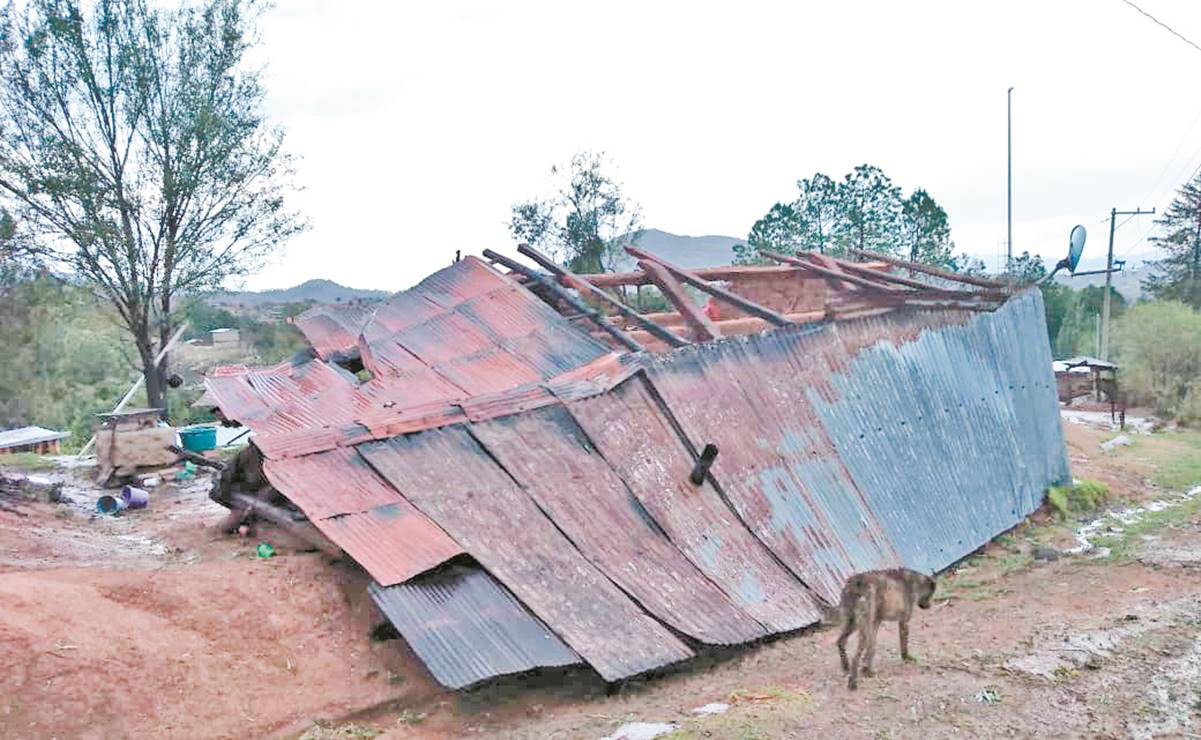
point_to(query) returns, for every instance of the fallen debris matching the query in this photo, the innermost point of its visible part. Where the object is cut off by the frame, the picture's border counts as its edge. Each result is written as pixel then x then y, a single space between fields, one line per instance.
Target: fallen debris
pixel 641 731
pixel 712 708
pixel 1119 441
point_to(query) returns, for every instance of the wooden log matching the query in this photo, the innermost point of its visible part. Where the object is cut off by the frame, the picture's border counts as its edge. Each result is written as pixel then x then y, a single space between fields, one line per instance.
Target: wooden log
pixel 717 292
pixel 583 286
pixel 928 270
pixel 622 337
pixel 826 271
pixel 725 272
pixel 701 326
pixel 283 519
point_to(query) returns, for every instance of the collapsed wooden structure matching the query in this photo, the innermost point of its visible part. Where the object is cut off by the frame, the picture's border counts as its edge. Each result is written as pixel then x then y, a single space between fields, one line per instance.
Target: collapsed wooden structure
pixel 536 474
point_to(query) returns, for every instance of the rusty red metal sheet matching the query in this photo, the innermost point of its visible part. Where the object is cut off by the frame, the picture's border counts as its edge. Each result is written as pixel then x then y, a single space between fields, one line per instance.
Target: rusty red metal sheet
pixel 464 332
pixel 775 466
pixel 393 543
pixel 333 330
pixel 362 514
pixel 447 475
pixel 632 432
pixel 551 458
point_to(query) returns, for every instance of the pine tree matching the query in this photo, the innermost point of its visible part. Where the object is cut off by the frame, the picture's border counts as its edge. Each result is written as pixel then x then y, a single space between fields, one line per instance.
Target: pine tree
pixel 1178 275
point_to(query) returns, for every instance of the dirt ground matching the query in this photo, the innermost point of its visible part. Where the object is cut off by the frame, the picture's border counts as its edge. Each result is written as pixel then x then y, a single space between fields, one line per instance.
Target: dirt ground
pixel 153 624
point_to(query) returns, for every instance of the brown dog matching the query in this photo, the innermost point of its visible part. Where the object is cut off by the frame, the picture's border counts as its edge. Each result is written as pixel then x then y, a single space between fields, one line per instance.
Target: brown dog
pixel 874 597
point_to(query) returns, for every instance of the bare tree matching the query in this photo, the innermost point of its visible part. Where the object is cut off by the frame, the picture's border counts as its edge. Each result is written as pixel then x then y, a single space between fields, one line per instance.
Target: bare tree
pixel 133 145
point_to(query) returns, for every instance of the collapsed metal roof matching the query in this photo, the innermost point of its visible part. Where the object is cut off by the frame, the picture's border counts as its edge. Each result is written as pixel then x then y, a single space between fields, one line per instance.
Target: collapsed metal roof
pixel 515 473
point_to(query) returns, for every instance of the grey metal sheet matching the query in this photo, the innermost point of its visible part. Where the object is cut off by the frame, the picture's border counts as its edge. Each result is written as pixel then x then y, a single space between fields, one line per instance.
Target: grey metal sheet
pixel 551 458
pixel 447 475
pixel 953 437
pixel 468 628
pixel 632 433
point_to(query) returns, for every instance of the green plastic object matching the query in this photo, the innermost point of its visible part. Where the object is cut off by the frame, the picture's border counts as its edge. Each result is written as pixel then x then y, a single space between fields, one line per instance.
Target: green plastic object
pixel 198 439
pixel 265 550
pixel 188 472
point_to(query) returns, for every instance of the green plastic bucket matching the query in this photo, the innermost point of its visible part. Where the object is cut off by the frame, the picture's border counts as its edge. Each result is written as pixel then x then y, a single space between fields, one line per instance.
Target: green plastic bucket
pixel 198 439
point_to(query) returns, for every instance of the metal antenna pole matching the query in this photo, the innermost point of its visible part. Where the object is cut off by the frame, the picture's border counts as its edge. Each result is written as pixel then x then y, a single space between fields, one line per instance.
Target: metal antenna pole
pixel 1009 172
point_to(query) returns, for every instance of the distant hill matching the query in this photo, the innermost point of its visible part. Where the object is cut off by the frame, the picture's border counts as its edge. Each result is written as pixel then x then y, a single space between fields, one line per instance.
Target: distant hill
pixel 685 251
pixel 317 291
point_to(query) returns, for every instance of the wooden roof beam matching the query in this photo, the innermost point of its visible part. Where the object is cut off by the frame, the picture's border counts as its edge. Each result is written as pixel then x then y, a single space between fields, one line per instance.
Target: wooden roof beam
pixel 721 294
pixel 703 329
pixel 928 270
pixel 571 280
pixel 624 339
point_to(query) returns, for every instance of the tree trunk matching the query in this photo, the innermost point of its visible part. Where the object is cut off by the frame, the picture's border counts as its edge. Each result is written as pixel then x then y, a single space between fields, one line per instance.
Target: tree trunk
pixel 154 378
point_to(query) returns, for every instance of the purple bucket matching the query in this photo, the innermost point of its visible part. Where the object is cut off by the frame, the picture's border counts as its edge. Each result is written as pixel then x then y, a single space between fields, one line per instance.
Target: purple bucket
pixel 135 498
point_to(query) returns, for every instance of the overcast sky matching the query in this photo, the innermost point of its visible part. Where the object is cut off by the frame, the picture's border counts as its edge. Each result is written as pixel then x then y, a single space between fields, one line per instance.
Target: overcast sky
pixel 419 124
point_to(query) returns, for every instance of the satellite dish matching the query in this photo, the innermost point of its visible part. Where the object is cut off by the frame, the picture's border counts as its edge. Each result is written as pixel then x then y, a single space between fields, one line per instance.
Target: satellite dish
pixel 1075 247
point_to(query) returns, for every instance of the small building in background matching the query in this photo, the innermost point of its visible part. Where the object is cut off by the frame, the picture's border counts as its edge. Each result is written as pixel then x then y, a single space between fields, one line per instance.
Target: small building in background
pixel 223 337
pixel 31 439
pixel 1086 376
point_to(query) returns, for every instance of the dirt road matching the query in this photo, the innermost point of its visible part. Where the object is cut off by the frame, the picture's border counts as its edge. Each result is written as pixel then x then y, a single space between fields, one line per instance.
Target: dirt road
pixel 155 625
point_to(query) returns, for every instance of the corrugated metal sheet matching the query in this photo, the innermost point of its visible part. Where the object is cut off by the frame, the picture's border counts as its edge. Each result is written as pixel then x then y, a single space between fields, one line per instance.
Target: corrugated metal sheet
pixel 463 333
pixel 333 330
pixel 360 513
pixel 632 433
pixel 952 437
pixel 447 475
pixel 775 464
pixel 550 457
pixel 29 436
pixel 467 628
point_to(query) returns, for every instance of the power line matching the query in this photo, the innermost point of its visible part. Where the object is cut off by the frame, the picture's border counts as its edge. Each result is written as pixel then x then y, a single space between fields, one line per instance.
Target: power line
pixel 1163 25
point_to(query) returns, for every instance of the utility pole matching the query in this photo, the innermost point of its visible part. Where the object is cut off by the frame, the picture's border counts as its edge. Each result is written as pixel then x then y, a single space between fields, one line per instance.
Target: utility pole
pixel 1113 214
pixel 1009 180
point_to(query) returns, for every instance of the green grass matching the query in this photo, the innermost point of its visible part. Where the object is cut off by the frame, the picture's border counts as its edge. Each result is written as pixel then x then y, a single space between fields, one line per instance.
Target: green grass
pixel 1081 498
pixel 27 461
pixel 322 730
pixel 1122 546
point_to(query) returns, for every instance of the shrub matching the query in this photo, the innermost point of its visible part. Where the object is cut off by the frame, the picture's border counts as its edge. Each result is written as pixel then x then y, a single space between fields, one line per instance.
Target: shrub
pixel 1158 347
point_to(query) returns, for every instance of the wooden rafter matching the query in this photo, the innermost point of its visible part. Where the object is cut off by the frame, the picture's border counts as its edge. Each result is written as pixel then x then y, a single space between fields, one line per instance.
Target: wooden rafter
pixel 703 329
pixel 583 308
pixel 828 272
pixel 719 293
pixel 571 280
pixel 928 270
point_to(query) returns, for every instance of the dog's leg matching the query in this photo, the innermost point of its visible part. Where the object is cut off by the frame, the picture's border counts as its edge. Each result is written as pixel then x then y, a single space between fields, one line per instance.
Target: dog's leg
pixel 853 678
pixel 869 668
pixel 848 627
pixel 903 628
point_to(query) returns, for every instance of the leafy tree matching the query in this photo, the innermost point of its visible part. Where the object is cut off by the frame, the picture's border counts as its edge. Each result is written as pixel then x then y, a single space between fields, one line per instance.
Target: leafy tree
pixel 1077 332
pixel 780 230
pixel 1158 345
pixel 1027 268
pixel 925 231
pixel 869 211
pixel 968 265
pixel 586 222
pixel 66 358
pixel 863 211
pixel 1178 275
pixel 132 138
